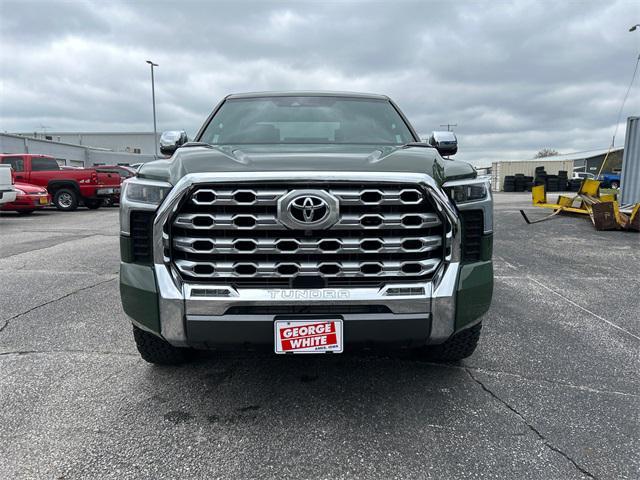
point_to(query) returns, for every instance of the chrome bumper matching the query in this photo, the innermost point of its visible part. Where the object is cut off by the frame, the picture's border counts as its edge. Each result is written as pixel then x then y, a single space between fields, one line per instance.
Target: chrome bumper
pixel 108 191
pixel 180 302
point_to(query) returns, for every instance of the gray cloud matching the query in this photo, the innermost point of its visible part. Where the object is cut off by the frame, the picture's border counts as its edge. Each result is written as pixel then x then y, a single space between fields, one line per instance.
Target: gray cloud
pixel 516 77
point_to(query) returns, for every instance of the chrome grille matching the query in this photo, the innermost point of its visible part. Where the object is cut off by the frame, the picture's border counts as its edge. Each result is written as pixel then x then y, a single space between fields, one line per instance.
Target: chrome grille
pixel 231 234
pixel 248 221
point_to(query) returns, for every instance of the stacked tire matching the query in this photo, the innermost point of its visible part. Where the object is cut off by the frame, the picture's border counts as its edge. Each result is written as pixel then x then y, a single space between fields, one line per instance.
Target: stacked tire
pixel 575 184
pixel 509 184
pixel 540 177
pixel 562 181
pixel 519 182
pixel 553 184
pixel 528 183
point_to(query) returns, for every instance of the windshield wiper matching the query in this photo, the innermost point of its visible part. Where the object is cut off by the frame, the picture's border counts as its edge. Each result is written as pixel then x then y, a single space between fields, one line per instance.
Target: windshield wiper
pixel 196 144
pixel 417 144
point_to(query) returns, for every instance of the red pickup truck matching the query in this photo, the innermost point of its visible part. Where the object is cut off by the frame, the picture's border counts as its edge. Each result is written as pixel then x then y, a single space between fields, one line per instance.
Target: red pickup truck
pixel 69 188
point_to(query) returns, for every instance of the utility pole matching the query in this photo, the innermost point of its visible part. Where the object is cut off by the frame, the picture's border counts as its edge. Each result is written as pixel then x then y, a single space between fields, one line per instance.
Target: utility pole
pixel 449 125
pixel 153 99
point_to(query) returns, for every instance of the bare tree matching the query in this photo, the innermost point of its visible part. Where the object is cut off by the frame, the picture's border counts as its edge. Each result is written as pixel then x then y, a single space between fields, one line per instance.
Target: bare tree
pixel 546 152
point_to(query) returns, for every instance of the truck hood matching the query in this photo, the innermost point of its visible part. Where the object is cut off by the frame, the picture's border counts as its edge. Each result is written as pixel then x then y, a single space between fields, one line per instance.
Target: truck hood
pixel 245 159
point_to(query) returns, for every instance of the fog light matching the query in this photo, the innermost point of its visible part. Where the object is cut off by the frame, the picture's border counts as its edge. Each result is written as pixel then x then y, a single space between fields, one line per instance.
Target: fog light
pixel 210 292
pixel 404 291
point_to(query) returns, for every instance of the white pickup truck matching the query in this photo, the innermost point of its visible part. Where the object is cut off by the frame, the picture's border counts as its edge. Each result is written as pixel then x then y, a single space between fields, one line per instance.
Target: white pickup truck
pixel 7 192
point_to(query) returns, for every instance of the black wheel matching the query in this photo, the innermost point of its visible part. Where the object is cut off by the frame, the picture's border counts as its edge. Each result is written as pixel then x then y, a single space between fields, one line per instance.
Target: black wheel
pixel 65 200
pixel 25 212
pixel 158 351
pixel 93 204
pixel 615 184
pixel 460 346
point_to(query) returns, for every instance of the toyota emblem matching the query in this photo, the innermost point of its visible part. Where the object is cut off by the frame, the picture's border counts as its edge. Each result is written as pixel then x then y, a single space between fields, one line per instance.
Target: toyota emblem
pixel 308 209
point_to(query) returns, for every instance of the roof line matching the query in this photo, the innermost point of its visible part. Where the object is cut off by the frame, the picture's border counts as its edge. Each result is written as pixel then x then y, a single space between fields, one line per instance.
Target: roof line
pixel 308 93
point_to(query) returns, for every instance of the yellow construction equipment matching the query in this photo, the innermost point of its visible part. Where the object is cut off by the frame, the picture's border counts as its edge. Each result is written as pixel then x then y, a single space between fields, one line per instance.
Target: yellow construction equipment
pixel 603 210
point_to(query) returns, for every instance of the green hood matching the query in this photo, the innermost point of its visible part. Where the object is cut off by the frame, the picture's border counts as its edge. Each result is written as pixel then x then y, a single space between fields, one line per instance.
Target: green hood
pixel 285 158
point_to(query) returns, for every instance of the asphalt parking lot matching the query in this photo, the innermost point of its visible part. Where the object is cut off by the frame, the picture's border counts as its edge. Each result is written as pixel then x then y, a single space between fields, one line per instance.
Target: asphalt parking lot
pixel 551 393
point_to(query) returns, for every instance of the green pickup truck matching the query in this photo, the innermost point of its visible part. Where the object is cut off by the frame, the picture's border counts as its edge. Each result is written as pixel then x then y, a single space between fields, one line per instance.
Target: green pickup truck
pixel 306 222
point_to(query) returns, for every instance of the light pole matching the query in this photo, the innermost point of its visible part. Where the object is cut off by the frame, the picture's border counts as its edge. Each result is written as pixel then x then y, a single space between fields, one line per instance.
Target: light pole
pixel 153 99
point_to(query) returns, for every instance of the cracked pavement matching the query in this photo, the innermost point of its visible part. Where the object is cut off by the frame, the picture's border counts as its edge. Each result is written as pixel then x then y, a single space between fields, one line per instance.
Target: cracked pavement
pixel 551 392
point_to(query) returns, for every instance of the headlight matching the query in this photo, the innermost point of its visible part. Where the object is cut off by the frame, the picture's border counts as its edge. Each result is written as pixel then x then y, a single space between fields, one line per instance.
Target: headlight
pixel 464 191
pixel 18 191
pixel 139 190
pixel 140 194
pixel 473 194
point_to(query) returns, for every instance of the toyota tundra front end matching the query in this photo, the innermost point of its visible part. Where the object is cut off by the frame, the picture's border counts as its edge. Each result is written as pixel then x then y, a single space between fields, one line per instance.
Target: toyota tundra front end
pixel 305 223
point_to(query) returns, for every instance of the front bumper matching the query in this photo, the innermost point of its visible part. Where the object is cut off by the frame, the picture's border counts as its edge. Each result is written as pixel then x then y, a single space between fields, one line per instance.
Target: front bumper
pixel 107 192
pixel 196 318
pixel 28 202
pixel 214 316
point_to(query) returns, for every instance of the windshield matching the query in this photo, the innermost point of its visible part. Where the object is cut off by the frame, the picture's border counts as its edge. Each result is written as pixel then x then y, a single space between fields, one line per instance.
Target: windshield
pixel 325 120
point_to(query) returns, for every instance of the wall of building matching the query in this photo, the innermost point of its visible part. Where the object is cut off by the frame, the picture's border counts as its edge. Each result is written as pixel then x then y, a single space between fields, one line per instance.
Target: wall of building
pixel 499 170
pixel 68 154
pixel 128 142
pixel 593 164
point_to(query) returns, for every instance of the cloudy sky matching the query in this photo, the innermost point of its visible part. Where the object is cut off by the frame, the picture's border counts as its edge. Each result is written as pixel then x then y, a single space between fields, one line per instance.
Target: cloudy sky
pixel 515 76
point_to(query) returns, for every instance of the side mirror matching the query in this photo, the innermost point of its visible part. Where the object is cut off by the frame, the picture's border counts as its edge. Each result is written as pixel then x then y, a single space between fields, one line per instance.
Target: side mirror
pixel 171 140
pixel 445 142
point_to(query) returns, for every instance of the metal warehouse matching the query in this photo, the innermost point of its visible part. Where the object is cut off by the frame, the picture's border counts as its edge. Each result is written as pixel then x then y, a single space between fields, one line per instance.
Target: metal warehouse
pixel 587 161
pixel 500 170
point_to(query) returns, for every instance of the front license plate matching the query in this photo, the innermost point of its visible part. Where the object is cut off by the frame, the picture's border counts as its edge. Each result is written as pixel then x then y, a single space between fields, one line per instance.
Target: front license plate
pixel 308 336
pixel 43 200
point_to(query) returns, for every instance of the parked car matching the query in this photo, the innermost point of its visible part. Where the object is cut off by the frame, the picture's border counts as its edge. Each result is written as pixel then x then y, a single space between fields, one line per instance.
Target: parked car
pixel 609 180
pixel 311 223
pixel 7 192
pixel 582 175
pixel 29 198
pixel 69 188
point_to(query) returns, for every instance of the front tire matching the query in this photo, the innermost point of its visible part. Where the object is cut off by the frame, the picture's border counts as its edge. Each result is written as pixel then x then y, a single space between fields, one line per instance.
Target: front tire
pixel 615 185
pixel 65 200
pixel 155 350
pixel 459 346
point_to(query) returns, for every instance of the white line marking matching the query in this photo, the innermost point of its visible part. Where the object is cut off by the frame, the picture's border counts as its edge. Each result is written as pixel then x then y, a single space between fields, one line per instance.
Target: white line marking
pixel 510 265
pixel 586 310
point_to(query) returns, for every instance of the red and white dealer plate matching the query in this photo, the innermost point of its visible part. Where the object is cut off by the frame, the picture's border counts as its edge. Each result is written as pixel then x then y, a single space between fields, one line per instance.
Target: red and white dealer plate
pixel 308 336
